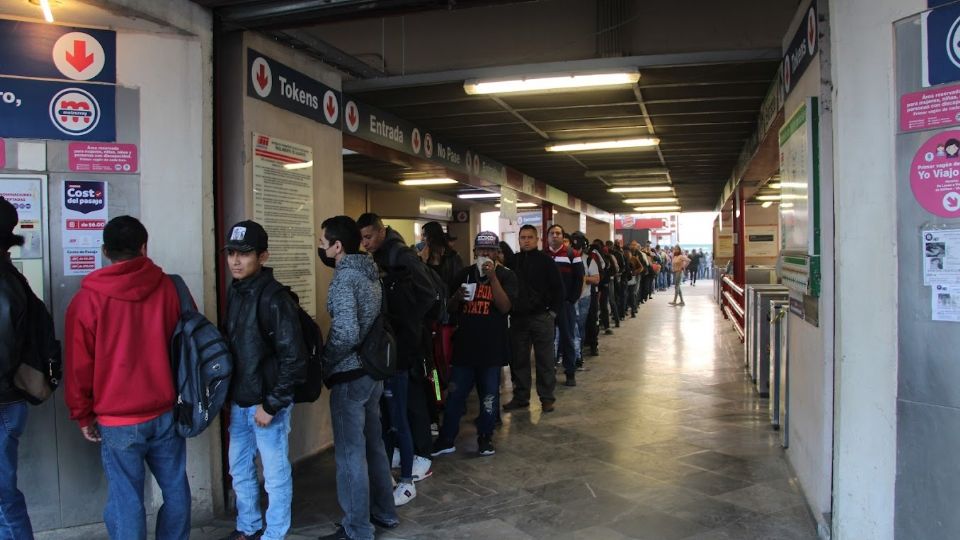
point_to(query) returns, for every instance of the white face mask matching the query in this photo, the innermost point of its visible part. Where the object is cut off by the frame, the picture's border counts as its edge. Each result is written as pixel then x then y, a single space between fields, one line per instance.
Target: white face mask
pixel 481 260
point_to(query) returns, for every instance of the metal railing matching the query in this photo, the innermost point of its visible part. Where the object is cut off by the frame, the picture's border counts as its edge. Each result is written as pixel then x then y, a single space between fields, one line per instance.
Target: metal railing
pixel 732 302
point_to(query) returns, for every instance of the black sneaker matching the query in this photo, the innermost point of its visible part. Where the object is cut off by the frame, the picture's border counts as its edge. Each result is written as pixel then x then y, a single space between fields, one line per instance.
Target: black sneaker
pixel 571 380
pixel 339 534
pixel 485 446
pixel 514 404
pixel 441 447
pixel 608 332
pixel 237 535
pixel 594 352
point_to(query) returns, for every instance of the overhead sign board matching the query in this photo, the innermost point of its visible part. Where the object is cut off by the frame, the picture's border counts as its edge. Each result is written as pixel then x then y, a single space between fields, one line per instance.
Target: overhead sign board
pixel 284 87
pixel 38 109
pixel 52 51
pixel 801 51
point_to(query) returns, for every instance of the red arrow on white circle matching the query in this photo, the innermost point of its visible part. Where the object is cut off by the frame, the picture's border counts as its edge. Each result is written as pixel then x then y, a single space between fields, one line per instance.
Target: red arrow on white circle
pixel 331 108
pixel 415 140
pixel 428 145
pixel 352 117
pixel 78 56
pixel 260 77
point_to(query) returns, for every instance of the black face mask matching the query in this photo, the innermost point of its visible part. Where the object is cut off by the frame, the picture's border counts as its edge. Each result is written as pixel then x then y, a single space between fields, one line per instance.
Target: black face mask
pixel 329 261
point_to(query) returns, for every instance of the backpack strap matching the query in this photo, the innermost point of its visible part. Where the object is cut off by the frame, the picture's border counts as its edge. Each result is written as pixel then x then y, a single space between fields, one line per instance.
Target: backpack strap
pixel 183 293
pixel 263 305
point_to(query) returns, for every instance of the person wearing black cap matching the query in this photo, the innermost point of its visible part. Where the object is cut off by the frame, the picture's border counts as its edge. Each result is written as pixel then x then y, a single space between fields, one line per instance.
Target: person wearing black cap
pixel 481 345
pixel 269 360
pixel 13 307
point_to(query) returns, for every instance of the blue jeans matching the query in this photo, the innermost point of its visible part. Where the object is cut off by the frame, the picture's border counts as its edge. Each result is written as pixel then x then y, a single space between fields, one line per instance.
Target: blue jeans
pixel 123 451
pixel 364 485
pixel 396 392
pixel 462 381
pixel 14 521
pixel 246 439
pixel 566 322
pixel 581 309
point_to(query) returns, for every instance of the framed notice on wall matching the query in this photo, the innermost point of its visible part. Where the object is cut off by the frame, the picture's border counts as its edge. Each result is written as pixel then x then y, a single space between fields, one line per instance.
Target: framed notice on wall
pixel 762 241
pixel 283 204
pixel 799 181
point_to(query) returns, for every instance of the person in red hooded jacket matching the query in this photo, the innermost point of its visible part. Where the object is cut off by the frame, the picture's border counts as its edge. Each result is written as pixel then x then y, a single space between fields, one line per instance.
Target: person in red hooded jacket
pixel 119 385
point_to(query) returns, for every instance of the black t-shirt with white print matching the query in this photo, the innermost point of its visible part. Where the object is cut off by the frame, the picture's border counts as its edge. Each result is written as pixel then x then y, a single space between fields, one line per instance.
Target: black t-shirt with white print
pixel 481 338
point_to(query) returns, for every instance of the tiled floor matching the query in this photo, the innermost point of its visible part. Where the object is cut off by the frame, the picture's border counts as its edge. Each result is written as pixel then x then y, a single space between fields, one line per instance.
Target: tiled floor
pixel 662 439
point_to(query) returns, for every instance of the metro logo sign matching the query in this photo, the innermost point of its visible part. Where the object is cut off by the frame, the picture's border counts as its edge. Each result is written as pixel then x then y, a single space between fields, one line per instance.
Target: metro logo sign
pixel 74 111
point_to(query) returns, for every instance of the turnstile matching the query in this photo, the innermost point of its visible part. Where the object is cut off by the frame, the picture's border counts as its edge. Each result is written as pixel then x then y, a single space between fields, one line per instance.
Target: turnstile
pixel 784 332
pixel 757 330
pixel 778 315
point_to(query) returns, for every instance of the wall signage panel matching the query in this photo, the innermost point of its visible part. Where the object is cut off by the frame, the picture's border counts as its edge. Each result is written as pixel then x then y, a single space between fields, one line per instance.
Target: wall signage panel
pixel 35 109
pixel 940 46
pixel 52 51
pixel 287 88
pixel 802 48
pixel 935 174
pixel 102 157
pixel 929 109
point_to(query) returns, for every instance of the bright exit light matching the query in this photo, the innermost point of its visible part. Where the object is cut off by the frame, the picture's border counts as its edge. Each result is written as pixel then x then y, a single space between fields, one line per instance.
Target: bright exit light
pixel 428 182
pixel 615 144
pixel 641 189
pixel 651 200
pixel 550 83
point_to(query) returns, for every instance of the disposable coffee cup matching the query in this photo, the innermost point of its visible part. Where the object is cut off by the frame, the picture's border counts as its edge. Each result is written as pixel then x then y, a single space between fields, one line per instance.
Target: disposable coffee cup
pixel 471 291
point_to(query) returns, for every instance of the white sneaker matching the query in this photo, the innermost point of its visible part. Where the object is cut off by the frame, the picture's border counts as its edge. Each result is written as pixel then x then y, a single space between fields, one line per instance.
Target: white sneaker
pixel 395 464
pixel 404 493
pixel 421 468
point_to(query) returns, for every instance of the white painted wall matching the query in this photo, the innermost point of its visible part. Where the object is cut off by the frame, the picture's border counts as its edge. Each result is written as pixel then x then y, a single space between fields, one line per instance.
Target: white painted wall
pixel 865 116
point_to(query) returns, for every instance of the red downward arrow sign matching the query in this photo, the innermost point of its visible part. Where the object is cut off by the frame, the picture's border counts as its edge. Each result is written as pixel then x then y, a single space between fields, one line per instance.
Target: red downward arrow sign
pixel 262 76
pixel 352 116
pixel 79 59
pixel 331 106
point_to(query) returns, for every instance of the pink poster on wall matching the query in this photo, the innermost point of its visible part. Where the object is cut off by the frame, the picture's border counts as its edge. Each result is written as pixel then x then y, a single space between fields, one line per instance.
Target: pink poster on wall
pixel 930 109
pixel 102 157
pixel 935 174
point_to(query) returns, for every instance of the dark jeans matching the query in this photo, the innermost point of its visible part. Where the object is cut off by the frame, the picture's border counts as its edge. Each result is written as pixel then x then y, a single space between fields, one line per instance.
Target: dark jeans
pixel 536 330
pixel 692 272
pixel 591 338
pixel 462 381
pixel 632 297
pixel 648 287
pixel 567 324
pixel 622 298
pixel 419 412
pixel 14 521
pixel 364 485
pixel 123 451
pixel 604 307
pixel 396 392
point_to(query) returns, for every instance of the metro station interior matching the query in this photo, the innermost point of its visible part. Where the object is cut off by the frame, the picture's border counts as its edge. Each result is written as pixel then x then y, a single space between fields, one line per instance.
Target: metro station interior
pixel 804 390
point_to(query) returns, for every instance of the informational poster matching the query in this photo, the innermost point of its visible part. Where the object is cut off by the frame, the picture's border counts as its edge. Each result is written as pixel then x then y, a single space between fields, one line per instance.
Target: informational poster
pixel 724 246
pixel 798 179
pixel 929 109
pixel 102 157
pixel 84 213
pixel 941 256
pixel 762 241
pixel 935 174
pixel 81 261
pixel 283 204
pixel 25 193
pixel 945 302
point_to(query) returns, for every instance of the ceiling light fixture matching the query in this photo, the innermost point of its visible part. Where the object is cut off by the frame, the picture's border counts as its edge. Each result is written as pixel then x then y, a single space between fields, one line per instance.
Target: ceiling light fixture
pixel 479 196
pixel 47 13
pixel 767 204
pixel 641 189
pixel 657 208
pixel 651 200
pixel 648 171
pixel 614 144
pixel 775 185
pixel 550 83
pixel 522 205
pixel 427 182
pixel 768 197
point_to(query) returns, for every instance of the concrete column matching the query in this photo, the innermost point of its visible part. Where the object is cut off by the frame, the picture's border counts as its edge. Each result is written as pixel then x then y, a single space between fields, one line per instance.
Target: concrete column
pixel 864 124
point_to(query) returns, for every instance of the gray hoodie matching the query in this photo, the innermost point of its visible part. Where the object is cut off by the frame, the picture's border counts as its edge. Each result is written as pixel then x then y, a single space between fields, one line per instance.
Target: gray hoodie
pixel 353 301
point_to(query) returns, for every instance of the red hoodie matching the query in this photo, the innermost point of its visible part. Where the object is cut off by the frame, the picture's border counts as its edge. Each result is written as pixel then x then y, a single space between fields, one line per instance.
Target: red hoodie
pixel 117 370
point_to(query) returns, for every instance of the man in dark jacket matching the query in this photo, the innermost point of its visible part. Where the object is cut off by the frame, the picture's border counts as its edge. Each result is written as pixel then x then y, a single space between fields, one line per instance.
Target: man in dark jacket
pixel 263 329
pixel 570 264
pixel 124 312
pixel 13 307
pixel 353 299
pixel 532 318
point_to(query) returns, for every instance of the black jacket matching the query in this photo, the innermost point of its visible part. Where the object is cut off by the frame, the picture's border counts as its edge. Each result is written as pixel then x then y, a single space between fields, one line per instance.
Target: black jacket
pixel 541 286
pixel 266 367
pixel 13 310
pixel 409 293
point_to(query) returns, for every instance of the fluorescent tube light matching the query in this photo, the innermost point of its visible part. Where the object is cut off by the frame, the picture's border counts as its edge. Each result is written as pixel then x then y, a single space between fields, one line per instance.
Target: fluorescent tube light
pixel 479 196
pixel 641 189
pixel 428 182
pixel 47 13
pixel 775 185
pixel 786 205
pixel 651 200
pixel 613 144
pixel 656 208
pixel 767 204
pixel 550 83
pixel 768 197
pixel 297 166
pixel 522 205
pixel 648 171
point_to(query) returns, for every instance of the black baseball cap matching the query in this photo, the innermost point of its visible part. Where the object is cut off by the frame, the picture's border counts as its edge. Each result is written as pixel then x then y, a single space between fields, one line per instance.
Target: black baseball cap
pixel 246 236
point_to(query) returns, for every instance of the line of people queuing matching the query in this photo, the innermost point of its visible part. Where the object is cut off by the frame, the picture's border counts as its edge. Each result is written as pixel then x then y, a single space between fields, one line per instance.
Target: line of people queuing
pixel 455 327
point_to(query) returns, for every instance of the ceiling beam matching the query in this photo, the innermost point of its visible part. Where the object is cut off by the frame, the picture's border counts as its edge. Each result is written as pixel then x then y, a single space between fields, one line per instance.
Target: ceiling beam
pixel 592 64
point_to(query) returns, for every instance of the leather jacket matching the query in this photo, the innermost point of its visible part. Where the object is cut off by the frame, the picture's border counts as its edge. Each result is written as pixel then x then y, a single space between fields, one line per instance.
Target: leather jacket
pixel 13 310
pixel 266 367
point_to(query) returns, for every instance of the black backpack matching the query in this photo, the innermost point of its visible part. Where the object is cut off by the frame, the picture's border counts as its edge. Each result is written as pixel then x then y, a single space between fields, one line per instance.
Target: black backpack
pixel 202 366
pixel 438 309
pixel 310 389
pixel 378 348
pixel 41 363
